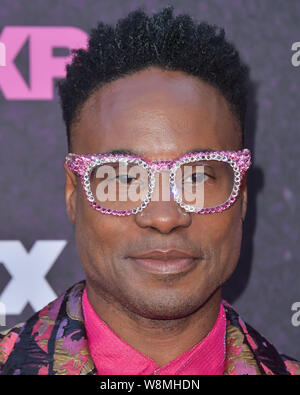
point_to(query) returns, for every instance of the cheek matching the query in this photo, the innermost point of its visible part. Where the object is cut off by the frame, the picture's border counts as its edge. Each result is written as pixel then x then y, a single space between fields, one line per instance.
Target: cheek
pixel 96 234
pixel 229 239
pixel 227 228
pixel 90 237
pixel 221 235
pixel 219 229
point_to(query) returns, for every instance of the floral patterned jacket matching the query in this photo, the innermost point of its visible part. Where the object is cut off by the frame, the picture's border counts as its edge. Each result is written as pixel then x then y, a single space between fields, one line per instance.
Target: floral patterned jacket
pixel 53 342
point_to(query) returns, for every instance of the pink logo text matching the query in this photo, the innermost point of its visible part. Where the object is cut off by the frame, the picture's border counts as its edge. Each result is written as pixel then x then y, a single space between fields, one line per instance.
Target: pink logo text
pixel 42 64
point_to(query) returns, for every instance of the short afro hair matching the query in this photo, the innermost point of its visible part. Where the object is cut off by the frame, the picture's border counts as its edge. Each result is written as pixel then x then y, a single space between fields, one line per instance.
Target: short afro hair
pixel 170 42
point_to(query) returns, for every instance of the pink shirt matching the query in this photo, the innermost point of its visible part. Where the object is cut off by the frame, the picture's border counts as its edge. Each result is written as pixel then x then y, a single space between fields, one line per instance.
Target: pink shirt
pixel 113 356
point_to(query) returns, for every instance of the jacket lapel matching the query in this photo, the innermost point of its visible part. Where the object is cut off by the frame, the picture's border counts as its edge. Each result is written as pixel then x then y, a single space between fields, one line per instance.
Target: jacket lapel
pixel 247 352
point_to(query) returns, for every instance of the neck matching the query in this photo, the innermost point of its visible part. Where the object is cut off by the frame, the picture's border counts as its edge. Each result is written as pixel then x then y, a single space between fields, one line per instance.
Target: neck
pixel 160 340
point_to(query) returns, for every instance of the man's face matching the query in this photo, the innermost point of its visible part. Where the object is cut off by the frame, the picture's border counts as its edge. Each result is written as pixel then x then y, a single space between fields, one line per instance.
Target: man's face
pixel 159 115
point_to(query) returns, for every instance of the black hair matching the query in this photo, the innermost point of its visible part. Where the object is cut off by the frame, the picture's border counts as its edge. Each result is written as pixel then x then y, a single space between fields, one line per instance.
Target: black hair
pixel 170 42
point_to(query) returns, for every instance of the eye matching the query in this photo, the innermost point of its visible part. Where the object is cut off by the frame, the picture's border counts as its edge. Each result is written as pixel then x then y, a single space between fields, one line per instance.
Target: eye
pixel 199 177
pixel 124 179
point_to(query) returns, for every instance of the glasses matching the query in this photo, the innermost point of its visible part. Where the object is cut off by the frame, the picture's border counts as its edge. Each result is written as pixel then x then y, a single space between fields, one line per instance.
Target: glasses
pixel 200 182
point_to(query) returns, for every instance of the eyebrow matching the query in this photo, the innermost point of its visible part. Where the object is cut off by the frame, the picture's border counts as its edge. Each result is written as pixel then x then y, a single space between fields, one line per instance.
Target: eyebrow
pixel 141 153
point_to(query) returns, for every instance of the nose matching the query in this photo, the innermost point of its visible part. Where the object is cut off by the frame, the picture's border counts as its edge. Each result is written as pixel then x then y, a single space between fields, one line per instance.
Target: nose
pixel 163 216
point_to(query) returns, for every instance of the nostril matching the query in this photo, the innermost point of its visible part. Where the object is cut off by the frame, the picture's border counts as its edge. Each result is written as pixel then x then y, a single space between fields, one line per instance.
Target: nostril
pixel 163 216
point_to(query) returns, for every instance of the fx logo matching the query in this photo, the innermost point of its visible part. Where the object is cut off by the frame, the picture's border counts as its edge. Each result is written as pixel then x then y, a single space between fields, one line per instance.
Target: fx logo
pixel 43 66
pixel 2 55
pixel 28 270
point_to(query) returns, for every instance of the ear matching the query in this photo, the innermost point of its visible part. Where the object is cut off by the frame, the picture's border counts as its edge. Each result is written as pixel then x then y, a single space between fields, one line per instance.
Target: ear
pixel 70 193
pixel 244 196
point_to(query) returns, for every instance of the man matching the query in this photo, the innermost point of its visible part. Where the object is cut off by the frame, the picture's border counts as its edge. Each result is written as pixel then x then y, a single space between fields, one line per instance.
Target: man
pixel 156 104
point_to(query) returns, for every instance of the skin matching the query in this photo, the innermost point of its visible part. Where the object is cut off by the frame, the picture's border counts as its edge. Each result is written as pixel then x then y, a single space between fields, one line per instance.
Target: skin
pixel 161 115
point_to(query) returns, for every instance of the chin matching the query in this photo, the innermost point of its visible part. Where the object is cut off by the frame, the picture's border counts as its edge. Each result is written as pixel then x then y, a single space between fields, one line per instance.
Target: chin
pixel 166 308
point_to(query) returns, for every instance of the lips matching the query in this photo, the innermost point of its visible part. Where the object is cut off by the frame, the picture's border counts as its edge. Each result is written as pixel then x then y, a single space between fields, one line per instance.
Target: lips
pixel 165 262
pixel 164 255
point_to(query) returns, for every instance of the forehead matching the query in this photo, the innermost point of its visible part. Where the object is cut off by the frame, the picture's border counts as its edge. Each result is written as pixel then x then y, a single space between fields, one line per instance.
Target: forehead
pixel 156 113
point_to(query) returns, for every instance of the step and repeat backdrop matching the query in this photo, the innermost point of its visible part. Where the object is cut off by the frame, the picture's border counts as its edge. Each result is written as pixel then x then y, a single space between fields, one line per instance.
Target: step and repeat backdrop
pixel 38 257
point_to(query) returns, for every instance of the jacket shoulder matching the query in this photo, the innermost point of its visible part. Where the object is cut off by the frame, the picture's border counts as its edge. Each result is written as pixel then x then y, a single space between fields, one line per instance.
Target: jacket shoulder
pixel 267 358
pixel 292 366
pixel 29 347
pixel 8 340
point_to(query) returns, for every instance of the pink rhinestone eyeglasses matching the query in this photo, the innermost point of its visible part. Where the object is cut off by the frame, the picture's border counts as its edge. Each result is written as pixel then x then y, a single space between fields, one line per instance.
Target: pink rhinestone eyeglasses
pixel 221 174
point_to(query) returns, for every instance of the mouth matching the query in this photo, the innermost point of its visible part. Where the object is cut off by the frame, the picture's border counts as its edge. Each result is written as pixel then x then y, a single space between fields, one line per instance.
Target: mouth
pixel 165 262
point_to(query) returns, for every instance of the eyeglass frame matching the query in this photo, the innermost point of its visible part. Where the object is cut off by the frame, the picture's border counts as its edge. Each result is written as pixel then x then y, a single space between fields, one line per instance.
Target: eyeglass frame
pixel 83 164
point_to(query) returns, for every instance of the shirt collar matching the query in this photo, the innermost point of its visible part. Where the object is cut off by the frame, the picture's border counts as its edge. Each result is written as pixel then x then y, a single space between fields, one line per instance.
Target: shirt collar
pixel 112 355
